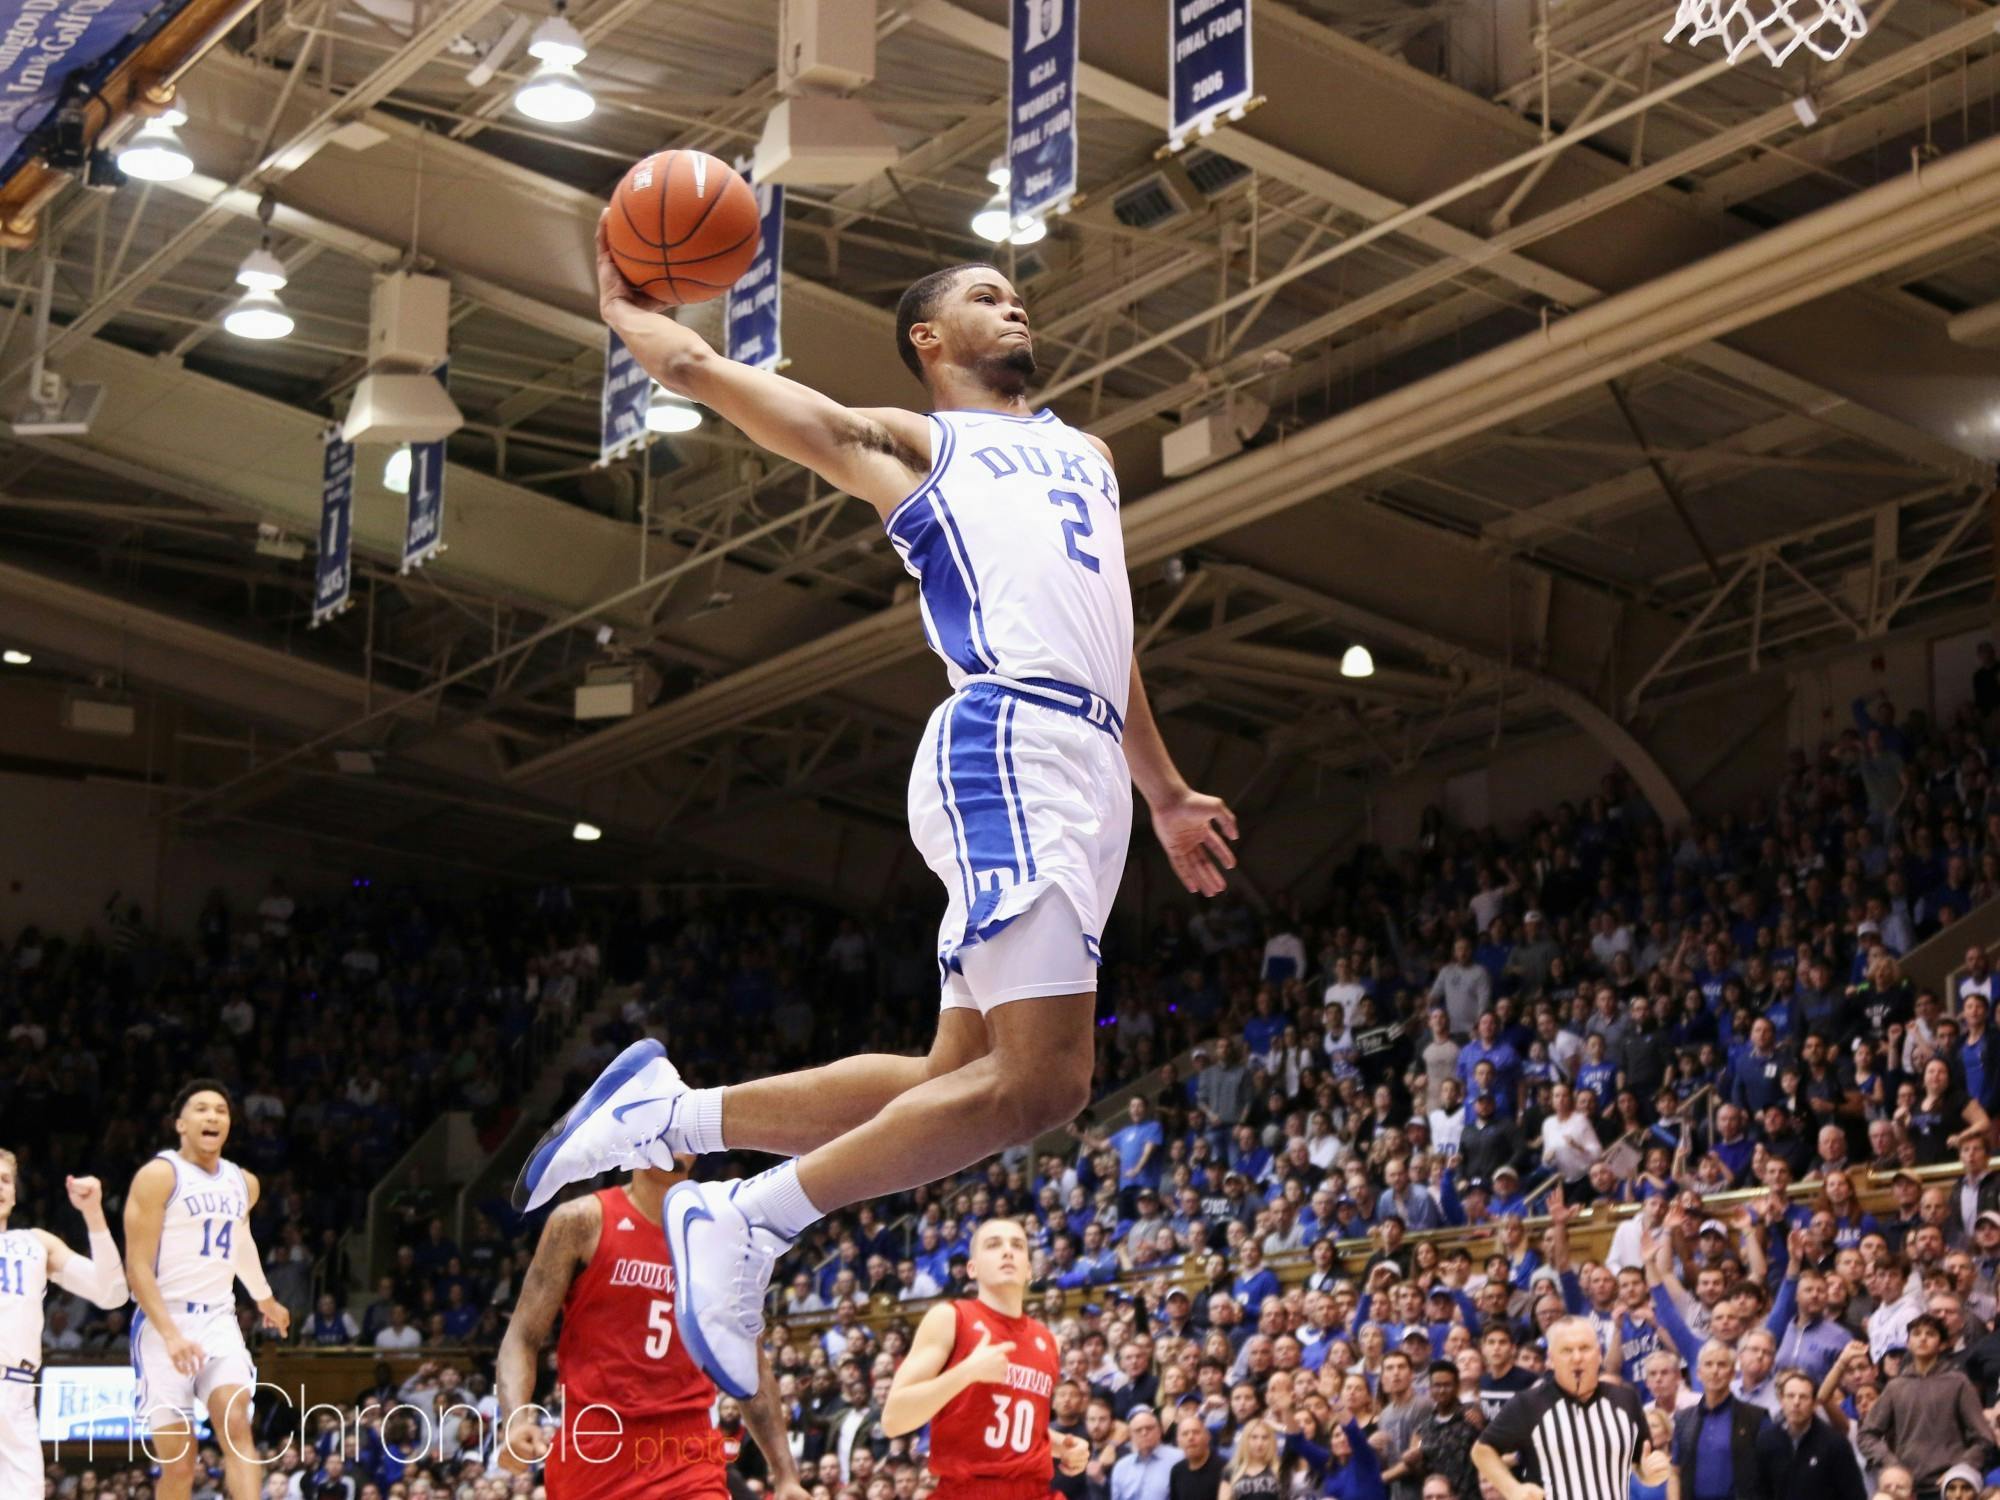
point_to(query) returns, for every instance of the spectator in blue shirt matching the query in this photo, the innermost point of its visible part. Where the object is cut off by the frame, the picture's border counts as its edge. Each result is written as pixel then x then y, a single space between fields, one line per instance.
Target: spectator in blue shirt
pixel 1264 1027
pixel 1142 1474
pixel 1755 1082
pixel 1254 1280
pixel 1486 1046
pixel 1141 1148
pixel 1409 1201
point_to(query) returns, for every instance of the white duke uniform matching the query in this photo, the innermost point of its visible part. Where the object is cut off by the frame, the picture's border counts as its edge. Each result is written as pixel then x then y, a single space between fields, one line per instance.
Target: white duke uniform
pixel 24 1282
pixel 205 1219
pixel 1020 784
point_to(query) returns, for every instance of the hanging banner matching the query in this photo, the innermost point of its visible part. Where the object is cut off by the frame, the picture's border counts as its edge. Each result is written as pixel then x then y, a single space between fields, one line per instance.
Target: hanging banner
pixel 622 411
pixel 333 578
pixel 50 45
pixel 1041 107
pixel 1209 57
pixel 750 321
pixel 423 529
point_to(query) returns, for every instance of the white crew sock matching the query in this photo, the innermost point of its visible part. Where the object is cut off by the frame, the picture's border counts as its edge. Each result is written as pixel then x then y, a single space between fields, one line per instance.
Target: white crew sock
pixel 698 1130
pixel 776 1201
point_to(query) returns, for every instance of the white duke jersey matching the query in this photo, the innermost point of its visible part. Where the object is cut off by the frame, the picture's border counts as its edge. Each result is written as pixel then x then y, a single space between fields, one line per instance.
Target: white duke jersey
pixel 24 1280
pixel 1015 543
pixel 199 1232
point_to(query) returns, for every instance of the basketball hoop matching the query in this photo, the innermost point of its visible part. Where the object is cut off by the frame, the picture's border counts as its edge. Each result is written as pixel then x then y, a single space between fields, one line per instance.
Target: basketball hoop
pixel 1778 28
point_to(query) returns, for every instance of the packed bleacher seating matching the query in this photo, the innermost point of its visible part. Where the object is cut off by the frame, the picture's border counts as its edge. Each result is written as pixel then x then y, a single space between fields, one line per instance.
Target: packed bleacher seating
pixel 341 1026
pixel 1382 1142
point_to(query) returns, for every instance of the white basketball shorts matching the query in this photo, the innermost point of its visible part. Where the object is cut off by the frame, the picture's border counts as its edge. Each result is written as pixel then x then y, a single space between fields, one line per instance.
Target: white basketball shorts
pixel 166 1397
pixel 1019 790
pixel 20 1441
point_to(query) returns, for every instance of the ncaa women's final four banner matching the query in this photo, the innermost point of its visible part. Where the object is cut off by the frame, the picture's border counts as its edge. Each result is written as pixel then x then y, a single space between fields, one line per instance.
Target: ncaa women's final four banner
pixel 1209 42
pixel 750 317
pixel 1041 108
pixel 333 576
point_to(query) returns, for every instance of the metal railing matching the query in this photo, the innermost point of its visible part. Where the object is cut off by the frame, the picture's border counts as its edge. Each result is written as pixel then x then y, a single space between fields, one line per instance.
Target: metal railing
pixel 1588 1235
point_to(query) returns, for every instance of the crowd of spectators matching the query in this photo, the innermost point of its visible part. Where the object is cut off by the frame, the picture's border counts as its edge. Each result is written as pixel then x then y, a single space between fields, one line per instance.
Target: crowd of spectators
pixel 1597 1010
pixel 342 1027
pixel 1594 1010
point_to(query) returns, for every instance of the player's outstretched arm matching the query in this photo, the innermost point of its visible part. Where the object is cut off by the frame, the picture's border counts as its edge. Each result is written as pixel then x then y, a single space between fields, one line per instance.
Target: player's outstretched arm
pixel 249 1267
pixel 568 1240
pixel 98 1277
pixel 923 1387
pixel 1193 827
pixel 764 1415
pixel 145 1213
pixel 877 454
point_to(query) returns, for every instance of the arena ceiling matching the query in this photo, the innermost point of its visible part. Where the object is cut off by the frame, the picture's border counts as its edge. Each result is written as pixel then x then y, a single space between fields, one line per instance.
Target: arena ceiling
pixel 1569 426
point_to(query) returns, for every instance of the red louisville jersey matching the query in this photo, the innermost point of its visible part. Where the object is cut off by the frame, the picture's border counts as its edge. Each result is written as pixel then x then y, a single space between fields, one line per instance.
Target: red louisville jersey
pixel 635 1412
pixel 994 1437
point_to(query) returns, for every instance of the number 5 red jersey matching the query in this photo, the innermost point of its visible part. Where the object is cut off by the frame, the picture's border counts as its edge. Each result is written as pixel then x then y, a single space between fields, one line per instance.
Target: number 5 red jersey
pixel 619 1353
pixel 998 1434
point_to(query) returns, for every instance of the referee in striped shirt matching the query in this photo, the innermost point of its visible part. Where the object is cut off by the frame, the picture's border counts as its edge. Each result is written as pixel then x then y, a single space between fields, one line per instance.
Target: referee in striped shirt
pixel 1576 1439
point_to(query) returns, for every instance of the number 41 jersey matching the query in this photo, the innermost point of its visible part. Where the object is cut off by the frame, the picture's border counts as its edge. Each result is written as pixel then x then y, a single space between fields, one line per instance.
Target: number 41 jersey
pixel 994 1437
pixel 1015 544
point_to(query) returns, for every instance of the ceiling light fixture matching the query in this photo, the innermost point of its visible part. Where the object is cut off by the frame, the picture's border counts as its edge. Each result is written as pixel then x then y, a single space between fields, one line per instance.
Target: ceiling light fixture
pixel 16 658
pixel 258 315
pixel 156 154
pixel 666 412
pixel 558 42
pixel 998 172
pixel 992 221
pixel 586 833
pixel 261 271
pixel 553 94
pixel 1028 232
pixel 1357 662
pixel 996 225
pixel 396 472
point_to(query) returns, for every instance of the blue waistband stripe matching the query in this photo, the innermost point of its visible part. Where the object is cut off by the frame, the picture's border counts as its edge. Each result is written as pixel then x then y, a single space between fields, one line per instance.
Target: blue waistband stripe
pixel 1064 697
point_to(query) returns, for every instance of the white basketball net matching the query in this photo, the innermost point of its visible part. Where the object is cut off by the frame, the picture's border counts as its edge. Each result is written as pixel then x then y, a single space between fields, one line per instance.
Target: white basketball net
pixel 1777 28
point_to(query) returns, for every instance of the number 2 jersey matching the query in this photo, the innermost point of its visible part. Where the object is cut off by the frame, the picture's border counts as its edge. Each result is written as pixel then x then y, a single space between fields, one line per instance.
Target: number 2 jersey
pixel 1015 543
pixel 619 1352
pixel 993 1439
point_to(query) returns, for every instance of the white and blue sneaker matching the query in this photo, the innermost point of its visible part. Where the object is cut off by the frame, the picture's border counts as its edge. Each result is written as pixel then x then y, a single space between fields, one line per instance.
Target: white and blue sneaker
pixel 623 1121
pixel 722 1269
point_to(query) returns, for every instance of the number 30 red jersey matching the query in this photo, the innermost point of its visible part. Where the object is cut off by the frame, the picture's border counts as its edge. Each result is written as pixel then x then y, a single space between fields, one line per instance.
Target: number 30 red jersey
pixel 991 1440
pixel 635 1417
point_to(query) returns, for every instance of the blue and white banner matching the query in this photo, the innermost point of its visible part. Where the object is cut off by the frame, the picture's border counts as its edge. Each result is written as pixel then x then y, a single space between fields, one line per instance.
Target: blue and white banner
pixel 1041 108
pixel 750 320
pixel 1209 57
pixel 622 410
pixel 333 577
pixel 48 43
pixel 423 528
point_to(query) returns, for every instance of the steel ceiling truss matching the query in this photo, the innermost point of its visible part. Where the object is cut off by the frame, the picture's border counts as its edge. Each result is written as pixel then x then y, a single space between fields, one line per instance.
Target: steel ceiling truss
pixel 1854 579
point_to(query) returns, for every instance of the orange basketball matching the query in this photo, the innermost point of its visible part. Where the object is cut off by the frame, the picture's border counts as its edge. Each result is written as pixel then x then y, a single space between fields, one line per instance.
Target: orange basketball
pixel 683 226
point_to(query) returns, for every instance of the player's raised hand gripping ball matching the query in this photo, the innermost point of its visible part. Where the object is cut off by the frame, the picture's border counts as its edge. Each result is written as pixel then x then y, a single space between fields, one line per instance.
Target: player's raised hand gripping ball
pixel 683 227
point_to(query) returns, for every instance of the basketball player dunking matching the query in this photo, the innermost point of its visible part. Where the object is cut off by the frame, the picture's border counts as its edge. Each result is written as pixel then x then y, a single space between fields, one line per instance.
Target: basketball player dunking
pixel 187 1244
pixel 635 1410
pixel 29 1260
pixel 982 1373
pixel 1020 800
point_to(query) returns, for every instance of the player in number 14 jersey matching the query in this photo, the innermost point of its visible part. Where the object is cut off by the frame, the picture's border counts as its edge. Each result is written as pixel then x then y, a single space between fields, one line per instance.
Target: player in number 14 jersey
pixel 982 1373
